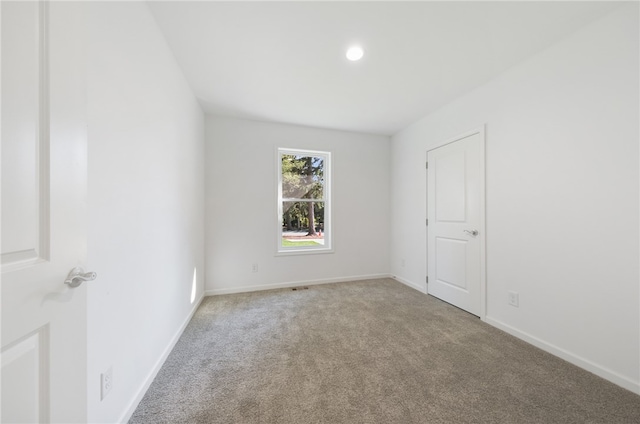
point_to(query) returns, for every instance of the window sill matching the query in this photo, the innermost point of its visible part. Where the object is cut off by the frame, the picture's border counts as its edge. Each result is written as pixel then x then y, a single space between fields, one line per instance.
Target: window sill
pixel 303 252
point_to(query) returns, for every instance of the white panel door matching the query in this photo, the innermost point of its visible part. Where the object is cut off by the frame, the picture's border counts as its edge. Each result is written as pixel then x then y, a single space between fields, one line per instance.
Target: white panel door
pixel 455 213
pixel 43 345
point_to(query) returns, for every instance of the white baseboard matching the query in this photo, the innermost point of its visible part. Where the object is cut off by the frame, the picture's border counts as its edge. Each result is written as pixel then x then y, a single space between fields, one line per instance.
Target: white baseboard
pixel 245 289
pixel 585 364
pixel 156 367
pixel 421 289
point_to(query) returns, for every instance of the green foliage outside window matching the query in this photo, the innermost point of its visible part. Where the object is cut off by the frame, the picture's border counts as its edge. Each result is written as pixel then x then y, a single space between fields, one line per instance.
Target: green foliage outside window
pixel 303 189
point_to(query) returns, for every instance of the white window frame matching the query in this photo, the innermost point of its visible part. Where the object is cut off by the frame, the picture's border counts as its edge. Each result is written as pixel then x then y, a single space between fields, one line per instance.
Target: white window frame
pixel 305 250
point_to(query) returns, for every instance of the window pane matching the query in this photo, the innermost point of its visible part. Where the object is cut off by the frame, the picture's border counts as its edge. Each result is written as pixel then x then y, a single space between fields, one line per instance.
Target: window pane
pixel 302 224
pixel 302 177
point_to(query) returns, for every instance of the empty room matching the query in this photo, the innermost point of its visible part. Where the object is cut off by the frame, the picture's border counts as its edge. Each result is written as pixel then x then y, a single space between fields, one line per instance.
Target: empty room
pixel 247 212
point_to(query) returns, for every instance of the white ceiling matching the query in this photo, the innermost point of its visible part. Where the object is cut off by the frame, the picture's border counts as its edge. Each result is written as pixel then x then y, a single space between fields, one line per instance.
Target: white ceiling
pixel 285 61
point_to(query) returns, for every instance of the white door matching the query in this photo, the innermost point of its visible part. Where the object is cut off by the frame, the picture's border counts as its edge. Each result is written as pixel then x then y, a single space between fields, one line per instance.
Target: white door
pixel 455 231
pixel 43 212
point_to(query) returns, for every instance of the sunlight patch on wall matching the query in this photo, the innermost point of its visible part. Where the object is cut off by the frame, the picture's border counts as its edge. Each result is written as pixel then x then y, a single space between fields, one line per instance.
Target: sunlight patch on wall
pixel 194 285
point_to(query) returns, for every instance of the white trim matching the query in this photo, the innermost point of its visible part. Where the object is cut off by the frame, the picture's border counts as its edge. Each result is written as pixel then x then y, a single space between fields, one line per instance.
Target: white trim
pixel 158 365
pixel 585 364
pixel 310 250
pixel 326 199
pixel 483 225
pixel 245 289
pixel 319 200
pixel 408 283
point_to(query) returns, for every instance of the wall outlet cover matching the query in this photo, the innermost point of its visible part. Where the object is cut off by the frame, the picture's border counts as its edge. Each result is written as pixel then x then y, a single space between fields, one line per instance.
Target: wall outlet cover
pixel 514 299
pixel 106 383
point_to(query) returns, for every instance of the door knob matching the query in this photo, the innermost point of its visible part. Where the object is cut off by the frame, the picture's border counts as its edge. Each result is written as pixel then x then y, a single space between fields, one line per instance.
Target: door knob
pixel 77 276
pixel 472 232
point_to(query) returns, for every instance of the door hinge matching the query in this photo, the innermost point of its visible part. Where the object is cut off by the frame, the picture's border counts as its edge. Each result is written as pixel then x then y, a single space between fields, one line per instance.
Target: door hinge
pixel 426 165
pixel 427 278
pixel 427 222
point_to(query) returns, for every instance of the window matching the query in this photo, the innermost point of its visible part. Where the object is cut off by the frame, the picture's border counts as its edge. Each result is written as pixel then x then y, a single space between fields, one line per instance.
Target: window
pixel 304 201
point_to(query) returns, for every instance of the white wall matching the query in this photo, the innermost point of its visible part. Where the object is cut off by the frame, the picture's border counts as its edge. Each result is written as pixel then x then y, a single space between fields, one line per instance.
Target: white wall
pixel 146 202
pixel 241 206
pixel 561 196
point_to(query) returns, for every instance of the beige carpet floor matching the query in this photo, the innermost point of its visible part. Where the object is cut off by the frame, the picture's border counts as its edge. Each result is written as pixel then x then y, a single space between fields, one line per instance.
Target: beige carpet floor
pixel 366 352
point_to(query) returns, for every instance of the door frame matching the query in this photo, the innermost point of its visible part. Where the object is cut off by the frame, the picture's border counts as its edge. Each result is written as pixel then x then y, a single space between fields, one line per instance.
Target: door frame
pixel 482 230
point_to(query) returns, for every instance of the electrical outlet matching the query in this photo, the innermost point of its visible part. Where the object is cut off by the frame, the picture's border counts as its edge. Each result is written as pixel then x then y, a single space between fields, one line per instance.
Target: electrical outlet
pixel 514 299
pixel 254 268
pixel 106 383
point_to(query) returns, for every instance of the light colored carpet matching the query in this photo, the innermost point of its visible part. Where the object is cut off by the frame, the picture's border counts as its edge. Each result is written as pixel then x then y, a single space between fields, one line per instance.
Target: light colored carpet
pixel 366 352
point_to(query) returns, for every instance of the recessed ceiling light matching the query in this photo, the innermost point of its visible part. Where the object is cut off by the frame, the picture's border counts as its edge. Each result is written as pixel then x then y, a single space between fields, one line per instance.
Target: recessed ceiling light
pixel 355 53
